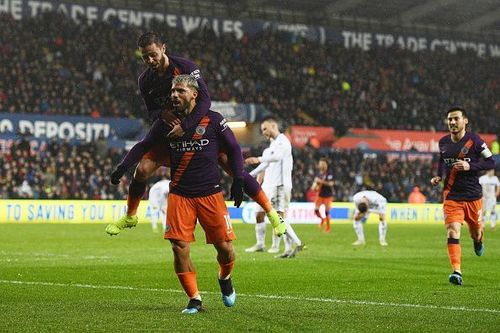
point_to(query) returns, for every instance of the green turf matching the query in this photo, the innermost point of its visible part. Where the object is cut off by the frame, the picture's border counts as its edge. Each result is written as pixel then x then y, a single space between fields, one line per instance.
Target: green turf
pixel 74 278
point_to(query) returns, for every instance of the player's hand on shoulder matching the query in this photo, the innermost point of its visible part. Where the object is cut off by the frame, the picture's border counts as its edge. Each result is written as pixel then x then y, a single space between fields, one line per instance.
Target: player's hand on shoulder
pixel 170 118
pixel 176 132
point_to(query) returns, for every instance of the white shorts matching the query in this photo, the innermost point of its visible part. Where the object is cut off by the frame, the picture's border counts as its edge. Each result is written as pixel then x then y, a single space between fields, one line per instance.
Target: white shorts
pixel 158 202
pixel 489 204
pixel 280 197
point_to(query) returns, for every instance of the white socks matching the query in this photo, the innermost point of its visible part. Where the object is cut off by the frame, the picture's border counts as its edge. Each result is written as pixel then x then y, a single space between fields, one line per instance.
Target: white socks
pixel 260 234
pixel 358 229
pixel 290 233
pixel 276 241
pixel 382 230
pixel 493 219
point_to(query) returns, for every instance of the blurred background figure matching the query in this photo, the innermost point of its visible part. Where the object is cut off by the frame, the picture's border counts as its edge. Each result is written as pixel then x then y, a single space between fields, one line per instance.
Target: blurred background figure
pixel 158 203
pixel 323 184
pixel 416 197
pixel 491 190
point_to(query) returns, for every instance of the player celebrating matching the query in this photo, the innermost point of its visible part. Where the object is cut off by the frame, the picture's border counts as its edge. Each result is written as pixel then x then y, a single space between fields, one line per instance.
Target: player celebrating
pixel 158 202
pixel 367 202
pixel 195 193
pixel 323 183
pixel 462 155
pixel 155 84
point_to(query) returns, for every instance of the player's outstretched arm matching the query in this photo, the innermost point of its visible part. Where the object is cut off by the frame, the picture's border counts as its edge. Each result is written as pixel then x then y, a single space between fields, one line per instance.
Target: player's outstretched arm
pixel 138 151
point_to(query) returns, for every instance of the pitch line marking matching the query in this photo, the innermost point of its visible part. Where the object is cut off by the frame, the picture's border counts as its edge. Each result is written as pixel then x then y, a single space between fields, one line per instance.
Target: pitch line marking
pixel 292 298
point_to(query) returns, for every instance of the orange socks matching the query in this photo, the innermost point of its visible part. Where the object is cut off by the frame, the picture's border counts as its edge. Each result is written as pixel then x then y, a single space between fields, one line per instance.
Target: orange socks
pixel 455 253
pixel 188 282
pixel 263 201
pixel 132 204
pixel 327 222
pixel 225 270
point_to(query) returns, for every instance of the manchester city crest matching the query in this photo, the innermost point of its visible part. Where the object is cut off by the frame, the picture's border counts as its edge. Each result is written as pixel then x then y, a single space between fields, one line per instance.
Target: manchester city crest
pixel 200 130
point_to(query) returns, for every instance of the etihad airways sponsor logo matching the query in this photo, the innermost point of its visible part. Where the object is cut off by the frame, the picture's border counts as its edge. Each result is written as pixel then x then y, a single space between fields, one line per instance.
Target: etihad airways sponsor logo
pixel 191 145
pixel 450 161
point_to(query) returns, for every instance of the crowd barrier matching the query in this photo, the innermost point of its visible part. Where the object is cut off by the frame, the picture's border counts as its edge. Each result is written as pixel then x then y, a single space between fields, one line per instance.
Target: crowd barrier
pixel 106 211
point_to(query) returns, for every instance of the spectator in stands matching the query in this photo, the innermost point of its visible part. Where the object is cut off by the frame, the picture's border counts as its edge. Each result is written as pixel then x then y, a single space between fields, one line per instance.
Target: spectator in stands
pixel 416 197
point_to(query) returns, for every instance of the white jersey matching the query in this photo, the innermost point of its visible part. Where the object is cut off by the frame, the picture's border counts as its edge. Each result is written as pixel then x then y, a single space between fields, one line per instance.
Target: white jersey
pixel 277 161
pixel 489 185
pixel 376 202
pixel 158 193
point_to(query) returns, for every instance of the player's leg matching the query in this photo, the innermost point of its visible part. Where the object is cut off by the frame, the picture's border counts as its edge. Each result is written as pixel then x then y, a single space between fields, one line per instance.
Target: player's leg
pixel 226 258
pixel 154 206
pixel 317 205
pixel 253 190
pixel 155 215
pixel 490 207
pixel 473 217
pixel 454 215
pixel 357 223
pixel 493 218
pixel 293 244
pixel 182 221
pixel 137 186
pixel 260 232
pixel 215 221
pixel 382 230
pixel 328 204
pixel 163 214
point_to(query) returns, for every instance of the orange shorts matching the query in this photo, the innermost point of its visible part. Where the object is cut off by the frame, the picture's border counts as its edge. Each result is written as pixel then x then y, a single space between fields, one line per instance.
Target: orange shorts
pixel 210 211
pixel 323 201
pixel 160 154
pixel 460 211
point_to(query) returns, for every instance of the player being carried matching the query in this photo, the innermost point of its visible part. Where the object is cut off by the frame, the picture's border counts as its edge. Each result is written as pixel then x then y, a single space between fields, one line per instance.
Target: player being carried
pixel 462 155
pixel 155 84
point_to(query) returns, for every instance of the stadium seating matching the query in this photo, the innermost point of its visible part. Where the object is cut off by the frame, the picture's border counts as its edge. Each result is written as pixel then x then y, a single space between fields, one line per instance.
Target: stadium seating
pixel 91 70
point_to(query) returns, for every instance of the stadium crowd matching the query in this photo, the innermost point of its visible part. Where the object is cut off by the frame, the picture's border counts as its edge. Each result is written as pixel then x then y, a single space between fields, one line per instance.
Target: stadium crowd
pixel 60 170
pixel 91 70
pixel 81 69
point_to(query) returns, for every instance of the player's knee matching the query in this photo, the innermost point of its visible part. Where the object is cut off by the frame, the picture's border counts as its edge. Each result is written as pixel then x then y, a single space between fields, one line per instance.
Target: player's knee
pixel 316 212
pixel 180 248
pixel 144 170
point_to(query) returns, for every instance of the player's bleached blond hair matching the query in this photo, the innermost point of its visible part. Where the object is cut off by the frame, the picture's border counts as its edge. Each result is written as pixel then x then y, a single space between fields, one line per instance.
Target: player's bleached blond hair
pixel 187 79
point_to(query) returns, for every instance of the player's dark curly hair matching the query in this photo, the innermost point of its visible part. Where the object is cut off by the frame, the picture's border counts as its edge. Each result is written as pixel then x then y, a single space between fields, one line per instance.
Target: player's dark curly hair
pixel 149 38
pixel 362 207
pixel 457 108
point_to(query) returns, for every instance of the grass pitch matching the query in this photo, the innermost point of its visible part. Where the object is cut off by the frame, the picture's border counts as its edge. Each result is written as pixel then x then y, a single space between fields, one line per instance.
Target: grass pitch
pixel 74 278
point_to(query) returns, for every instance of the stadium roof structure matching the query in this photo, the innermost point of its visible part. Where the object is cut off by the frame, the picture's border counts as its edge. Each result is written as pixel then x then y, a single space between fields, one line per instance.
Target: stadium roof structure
pixel 464 17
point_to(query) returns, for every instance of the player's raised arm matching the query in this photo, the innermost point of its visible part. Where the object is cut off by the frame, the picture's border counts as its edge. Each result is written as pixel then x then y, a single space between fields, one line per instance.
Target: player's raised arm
pixel 203 101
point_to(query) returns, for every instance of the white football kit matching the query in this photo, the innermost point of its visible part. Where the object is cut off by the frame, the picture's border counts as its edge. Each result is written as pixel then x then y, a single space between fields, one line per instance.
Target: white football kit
pixel 377 203
pixel 158 203
pixel 489 185
pixel 277 163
